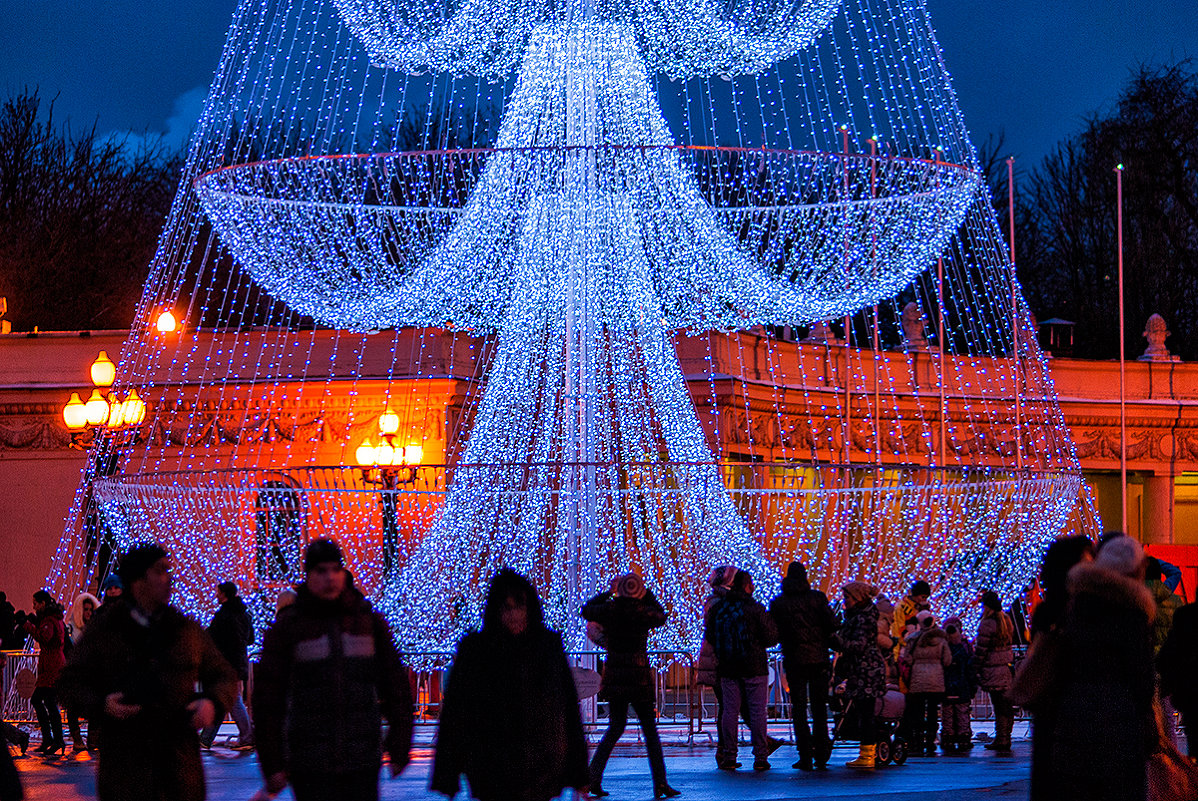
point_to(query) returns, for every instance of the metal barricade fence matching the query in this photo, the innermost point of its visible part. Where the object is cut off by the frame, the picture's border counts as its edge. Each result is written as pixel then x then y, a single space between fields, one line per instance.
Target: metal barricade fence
pixel 17 709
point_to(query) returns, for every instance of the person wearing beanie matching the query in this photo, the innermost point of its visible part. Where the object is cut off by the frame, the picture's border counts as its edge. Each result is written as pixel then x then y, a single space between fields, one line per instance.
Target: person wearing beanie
pixel 1105 725
pixel 135 676
pixel 110 589
pixel 806 624
pixel 740 630
pixel 913 603
pixel 861 665
pixel 328 675
pixel 628 613
pixel 719 581
pixel 960 686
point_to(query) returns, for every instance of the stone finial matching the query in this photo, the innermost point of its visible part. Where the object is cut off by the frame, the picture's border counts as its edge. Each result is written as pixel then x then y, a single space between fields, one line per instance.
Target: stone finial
pixel 822 333
pixel 1156 331
pixel 914 326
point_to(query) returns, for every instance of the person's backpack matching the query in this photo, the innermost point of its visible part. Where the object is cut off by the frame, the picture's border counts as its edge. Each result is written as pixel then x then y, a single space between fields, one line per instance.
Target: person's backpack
pixel 730 633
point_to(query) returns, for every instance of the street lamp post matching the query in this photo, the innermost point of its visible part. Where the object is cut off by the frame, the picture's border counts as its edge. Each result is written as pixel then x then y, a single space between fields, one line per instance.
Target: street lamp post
pixel 389 466
pixel 104 410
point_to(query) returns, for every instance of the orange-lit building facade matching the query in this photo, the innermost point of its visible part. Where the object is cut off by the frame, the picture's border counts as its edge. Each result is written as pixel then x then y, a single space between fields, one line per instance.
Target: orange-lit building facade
pixel 750 415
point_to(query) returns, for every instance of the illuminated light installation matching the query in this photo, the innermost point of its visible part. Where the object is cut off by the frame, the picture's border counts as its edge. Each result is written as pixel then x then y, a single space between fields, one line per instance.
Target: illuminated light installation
pixel 563 252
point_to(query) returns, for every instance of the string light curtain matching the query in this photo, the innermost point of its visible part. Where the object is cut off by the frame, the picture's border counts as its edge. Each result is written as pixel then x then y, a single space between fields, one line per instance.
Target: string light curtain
pixel 585 225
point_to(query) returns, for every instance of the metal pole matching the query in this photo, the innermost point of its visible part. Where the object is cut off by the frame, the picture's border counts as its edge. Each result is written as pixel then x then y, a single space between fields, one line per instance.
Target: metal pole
pixel 1016 372
pixel 873 193
pixel 942 449
pixel 1122 355
pixel 848 323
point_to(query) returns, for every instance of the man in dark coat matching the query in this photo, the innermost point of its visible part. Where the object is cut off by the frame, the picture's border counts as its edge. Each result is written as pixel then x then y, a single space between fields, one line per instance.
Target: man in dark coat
pixel 740 630
pixel 328 676
pixel 510 720
pixel 134 674
pixel 233 632
pixel 806 624
pixel 1178 665
pixel 627 614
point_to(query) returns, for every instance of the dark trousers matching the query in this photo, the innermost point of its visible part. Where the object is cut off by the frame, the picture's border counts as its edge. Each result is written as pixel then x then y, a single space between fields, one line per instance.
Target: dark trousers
pixel 617 721
pixel 865 718
pixel 921 719
pixel 719 715
pixel 1004 716
pixel 748 695
pixel 45 704
pixel 809 683
pixel 359 785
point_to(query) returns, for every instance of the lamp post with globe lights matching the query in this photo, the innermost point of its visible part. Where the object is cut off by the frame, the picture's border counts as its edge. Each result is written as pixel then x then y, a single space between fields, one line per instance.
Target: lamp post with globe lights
pixel 104 410
pixel 389 465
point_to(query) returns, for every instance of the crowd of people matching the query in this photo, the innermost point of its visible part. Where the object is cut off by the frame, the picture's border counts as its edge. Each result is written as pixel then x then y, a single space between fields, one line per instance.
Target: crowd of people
pixel 1112 654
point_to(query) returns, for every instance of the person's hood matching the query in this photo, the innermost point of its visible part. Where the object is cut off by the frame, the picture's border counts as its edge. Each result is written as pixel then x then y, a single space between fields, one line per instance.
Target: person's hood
pixel 929 637
pixel 235 604
pixel 795 586
pixel 1091 578
pixel 77 609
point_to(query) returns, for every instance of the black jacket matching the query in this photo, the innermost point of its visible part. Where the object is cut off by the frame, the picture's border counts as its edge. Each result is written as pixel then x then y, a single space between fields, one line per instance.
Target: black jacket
pixel 329 673
pixel 157 664
pixel 233 632
pixel 510 720
pixel 740 629
pixel 1178 660
pixel 626 623
pixel 805 622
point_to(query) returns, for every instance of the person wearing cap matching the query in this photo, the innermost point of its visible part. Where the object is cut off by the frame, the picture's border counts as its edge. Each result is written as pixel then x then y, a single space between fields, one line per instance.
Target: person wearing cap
pixel 913 603
pixel 111 589
pixel 862 666
pixel 994 654
pixel 135 675
pixel 740 630
pixel 329 674
pixel 926 651
pixel 628 612
pixel 1105 726
pixel 806 624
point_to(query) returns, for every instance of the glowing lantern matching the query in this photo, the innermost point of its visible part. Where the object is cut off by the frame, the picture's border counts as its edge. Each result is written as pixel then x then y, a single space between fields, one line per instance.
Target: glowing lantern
pixel 96 409
pixel 103 370
pixel 74 414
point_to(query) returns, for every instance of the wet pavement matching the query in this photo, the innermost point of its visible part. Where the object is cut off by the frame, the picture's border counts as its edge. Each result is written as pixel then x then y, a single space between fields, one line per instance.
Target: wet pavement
pixel 234 776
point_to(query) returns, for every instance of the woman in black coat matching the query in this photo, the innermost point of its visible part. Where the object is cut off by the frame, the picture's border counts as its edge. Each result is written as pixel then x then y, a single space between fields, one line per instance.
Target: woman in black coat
pixel 1105 729
pixel 509 718
pixel 627 615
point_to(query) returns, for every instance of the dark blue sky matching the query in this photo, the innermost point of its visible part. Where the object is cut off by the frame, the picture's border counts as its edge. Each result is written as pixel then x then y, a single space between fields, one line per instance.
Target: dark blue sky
pixel 1034 68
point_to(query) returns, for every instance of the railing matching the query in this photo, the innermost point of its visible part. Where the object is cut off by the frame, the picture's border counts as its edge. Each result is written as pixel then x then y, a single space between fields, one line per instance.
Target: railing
pixel 17 709
pixel 684 709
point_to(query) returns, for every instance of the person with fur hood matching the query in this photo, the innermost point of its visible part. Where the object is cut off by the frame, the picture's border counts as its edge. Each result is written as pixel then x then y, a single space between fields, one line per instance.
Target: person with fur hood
pixel 927 654
pixel 861 666
pixel 1105 728
pixel 82 610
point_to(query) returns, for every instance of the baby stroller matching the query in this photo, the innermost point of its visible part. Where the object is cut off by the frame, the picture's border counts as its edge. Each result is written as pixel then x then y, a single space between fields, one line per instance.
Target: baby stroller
pixel 889 711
